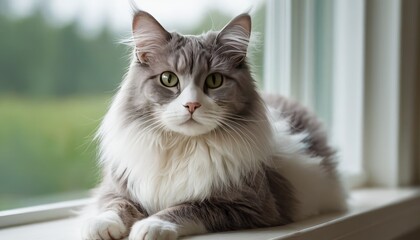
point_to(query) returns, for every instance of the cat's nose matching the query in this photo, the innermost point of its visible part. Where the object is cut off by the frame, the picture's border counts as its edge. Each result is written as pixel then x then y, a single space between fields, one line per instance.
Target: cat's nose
pixel 192 106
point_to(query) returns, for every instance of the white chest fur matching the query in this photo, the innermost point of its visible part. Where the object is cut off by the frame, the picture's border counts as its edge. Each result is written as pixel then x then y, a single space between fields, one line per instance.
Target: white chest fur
pixel 166 169
pixel 163 178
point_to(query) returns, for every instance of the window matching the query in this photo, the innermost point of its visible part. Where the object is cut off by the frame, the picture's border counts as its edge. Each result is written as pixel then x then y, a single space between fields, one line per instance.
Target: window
pixel 60 63
pixel 353 62
pixel 321 65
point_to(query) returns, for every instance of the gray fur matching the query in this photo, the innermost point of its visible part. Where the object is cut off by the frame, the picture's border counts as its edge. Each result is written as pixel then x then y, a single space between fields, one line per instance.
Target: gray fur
pixel 251 206
pixel 303 120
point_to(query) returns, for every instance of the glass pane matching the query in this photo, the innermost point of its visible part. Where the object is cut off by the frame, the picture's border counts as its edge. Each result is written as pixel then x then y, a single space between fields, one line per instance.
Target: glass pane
pixel 325 67
pixel 59 66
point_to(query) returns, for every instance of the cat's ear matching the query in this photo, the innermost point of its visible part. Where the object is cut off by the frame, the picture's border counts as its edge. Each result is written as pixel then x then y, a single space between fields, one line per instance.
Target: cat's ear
pixel 233 39
pixel 148 36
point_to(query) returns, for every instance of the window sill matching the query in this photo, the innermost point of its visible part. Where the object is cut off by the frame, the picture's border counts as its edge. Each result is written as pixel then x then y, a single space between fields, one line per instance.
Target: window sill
pixel 373 214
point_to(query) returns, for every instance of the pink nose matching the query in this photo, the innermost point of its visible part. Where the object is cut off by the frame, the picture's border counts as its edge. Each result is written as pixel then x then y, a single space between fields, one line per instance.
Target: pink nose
pixel 192 106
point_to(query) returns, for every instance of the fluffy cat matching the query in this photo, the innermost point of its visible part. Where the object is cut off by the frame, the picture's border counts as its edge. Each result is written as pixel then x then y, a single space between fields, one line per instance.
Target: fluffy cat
pixel 189 146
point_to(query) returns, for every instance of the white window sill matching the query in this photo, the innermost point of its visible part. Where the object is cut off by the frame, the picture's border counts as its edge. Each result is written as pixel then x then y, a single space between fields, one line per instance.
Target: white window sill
pixel 374 214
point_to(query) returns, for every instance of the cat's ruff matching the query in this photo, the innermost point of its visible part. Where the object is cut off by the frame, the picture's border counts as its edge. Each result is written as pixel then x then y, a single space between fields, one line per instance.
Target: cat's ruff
pixel 193 167
pixel 165 169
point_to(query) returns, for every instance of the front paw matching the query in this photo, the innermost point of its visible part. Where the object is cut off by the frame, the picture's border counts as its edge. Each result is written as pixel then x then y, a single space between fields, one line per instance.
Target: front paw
pixel 153 228
pixel 106 226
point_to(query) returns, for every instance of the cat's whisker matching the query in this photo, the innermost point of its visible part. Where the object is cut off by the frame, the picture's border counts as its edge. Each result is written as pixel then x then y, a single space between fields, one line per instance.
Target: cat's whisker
pixel 155 125
pixel 243 119
pixel 250 136
pixel 148 122
pixel 153 128
pixel 237 134
pixel 255 118
pixel 226 131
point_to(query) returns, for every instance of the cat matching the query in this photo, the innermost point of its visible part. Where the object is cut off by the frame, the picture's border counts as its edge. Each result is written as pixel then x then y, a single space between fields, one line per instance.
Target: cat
pixel 189 146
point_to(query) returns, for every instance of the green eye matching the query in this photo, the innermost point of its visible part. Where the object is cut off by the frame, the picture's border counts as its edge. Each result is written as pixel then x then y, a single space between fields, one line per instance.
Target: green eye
pixel 169 79
pixel 214 80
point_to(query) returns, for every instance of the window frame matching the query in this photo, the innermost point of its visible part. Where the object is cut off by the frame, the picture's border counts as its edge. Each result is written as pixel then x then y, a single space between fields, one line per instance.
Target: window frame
pixel 40 213
pixel 393 80
pixel 375 214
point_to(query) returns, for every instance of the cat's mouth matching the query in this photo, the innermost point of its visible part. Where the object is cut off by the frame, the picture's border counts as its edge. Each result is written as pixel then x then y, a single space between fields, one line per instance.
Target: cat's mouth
pixel 190 126
pixel 190 121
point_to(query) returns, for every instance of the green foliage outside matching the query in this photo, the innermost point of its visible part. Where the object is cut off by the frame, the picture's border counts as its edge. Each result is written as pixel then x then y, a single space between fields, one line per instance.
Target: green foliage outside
pixel 55 86
pixel 46 147
pixel 39 60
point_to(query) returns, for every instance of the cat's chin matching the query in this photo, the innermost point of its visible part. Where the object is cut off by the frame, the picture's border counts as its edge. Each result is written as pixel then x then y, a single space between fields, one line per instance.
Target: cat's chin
pixel 191 128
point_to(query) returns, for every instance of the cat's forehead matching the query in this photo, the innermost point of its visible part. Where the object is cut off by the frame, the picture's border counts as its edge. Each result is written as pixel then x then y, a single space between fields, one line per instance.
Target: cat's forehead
pixel 194 42
pixel 189 54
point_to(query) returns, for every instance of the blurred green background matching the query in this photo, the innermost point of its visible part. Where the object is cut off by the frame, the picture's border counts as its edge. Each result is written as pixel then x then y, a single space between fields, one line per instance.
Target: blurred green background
pixel 55 85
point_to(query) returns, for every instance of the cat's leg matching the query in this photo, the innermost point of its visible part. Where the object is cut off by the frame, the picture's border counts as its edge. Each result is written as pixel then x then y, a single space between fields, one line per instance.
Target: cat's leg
pixel 114 220
pixel 203 217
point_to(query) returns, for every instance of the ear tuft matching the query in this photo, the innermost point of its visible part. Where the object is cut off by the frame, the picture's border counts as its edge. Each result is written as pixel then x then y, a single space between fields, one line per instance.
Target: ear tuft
pixel 148 35
pixel 233 39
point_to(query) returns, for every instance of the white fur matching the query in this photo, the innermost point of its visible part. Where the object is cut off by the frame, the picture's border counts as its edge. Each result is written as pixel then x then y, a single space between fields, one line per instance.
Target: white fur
pixel 102 226
pixel 153 228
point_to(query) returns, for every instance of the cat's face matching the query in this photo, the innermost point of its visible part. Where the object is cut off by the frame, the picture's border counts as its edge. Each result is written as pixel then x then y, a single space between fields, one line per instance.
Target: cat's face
pixel 191 84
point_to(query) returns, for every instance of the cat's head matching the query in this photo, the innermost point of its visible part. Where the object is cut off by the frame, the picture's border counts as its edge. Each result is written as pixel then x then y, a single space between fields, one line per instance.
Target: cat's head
pixel 191 85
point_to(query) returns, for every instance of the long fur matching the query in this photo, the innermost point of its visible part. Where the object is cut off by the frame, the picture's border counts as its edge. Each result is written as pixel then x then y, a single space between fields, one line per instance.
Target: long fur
pixel 246 160
pixel 165 169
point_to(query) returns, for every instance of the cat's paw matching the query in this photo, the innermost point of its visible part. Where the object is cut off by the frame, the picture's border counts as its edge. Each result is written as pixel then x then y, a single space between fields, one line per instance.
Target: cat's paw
pixel 153 228
pixel 105 226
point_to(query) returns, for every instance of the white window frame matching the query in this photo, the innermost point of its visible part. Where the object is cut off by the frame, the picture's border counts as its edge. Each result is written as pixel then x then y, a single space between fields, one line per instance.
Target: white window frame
pixel 382 92
pixel 40 213
pixel 348 88
pixel 391 84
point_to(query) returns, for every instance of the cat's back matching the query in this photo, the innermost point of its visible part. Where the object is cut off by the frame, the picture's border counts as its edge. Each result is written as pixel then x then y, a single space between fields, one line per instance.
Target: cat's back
pixel 303 156
pixel 300 121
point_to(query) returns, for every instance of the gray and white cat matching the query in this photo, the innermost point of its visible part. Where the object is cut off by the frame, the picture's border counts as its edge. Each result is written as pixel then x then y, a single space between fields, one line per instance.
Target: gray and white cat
pixel 189 146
